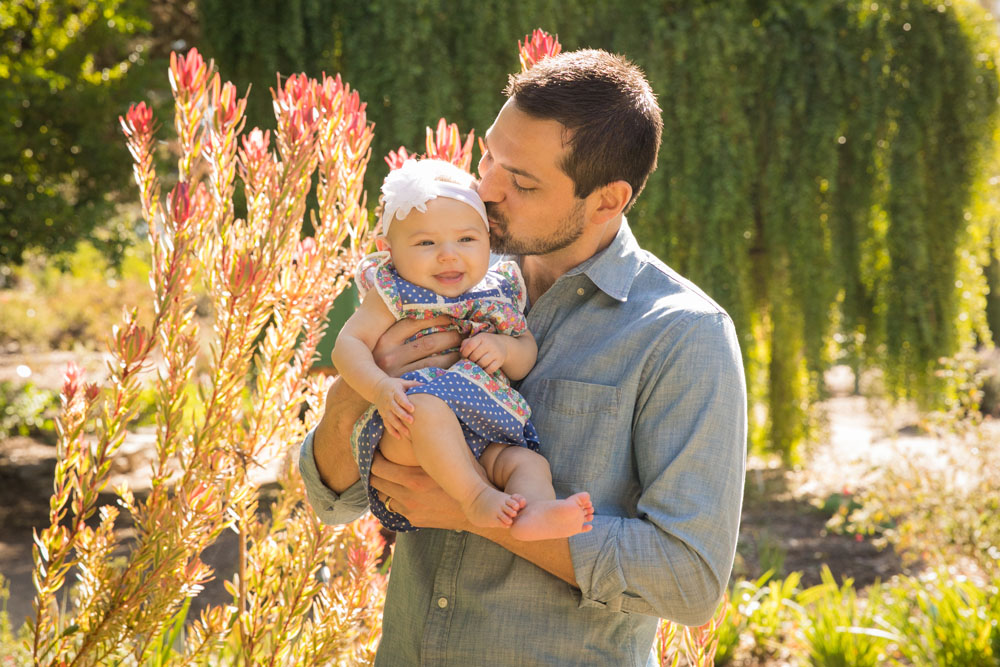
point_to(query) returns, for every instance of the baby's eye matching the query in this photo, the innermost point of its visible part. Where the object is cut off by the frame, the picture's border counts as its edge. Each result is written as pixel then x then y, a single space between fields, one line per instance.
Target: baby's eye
pixel 467 239
pixel 425 243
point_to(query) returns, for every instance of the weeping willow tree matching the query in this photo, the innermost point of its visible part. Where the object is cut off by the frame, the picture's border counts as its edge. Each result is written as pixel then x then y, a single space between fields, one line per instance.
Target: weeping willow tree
pixel 819 171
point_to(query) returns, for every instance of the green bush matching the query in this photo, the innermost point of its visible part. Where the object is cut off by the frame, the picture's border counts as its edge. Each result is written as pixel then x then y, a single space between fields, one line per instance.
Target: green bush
pixel 844 631
pixel 27 410
pixel 71 299
pixel 947 620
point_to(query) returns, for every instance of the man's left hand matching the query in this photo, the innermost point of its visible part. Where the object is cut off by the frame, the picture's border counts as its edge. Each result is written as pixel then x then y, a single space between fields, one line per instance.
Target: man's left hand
pixel 416 496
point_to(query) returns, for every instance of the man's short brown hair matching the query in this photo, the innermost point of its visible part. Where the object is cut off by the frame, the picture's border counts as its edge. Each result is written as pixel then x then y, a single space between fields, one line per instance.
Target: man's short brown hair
pixel 608 109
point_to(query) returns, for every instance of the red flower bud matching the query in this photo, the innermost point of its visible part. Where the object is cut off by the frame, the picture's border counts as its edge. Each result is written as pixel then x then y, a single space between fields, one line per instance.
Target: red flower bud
pixel 306 250
pixel 138 120
pixel 180 204
pixel 330 90
pixel 395 159
pixel 445 144
pixel 537 46
pixel 242 274
pixel 188 74
pixel 130 341
pixel 71 380
pixel 226 102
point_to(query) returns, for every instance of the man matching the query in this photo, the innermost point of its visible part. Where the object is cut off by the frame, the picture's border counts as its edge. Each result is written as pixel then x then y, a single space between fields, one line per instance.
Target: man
pixel 638 397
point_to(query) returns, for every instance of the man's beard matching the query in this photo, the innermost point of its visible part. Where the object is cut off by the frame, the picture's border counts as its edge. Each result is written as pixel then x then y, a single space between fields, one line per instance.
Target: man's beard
pixel 569 229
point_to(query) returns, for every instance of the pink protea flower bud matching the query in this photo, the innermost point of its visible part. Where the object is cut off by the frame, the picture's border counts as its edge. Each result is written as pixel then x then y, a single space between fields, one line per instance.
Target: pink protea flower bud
pixel 188 73
pixel 243 273
pixel 226 102
pixel 445 143
pixel 256 145
pixel 138 120
pixel 355 116
pixel 329 92
pixel 130 341
pixel 305 251
pixel 360 558
pixel 537 46
pixel 255 156
pixel 180 204
pixel 295 105
pixel 395 159
pixel 71 380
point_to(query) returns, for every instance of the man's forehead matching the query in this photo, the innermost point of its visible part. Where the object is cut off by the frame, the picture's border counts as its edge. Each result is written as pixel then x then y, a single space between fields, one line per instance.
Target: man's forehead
pixel 524 144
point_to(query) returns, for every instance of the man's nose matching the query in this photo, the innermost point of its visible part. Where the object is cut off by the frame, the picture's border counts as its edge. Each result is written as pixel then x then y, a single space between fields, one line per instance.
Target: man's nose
pixel 488 190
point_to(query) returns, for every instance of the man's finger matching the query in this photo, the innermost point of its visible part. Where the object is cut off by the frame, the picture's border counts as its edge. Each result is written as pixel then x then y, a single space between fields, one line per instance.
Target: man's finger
pixel 436 361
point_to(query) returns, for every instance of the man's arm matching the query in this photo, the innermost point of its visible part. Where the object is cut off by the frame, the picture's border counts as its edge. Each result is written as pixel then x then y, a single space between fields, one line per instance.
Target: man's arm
pixel 674 557
pixel 327 464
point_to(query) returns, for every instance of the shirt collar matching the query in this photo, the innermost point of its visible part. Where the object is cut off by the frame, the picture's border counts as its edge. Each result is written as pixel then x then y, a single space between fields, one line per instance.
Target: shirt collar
pixel 613 269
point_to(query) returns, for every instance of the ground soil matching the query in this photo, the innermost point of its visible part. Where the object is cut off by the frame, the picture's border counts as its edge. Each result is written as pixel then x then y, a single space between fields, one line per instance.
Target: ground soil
pixel 782 526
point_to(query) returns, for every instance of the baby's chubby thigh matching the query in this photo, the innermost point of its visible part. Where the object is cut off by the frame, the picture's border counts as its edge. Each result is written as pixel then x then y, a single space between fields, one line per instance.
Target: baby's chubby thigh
pixel 429 416
pixel 397 450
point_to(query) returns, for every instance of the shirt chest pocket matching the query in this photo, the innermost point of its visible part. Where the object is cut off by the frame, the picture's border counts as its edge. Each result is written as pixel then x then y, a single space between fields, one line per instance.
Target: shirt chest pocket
pixel 577 425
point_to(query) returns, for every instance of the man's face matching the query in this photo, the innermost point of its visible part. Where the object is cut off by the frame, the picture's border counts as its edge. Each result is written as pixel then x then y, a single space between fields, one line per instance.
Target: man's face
pixel 528 197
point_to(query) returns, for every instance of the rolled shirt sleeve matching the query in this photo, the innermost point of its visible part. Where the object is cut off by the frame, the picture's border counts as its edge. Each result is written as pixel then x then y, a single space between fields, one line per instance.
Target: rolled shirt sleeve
pixel 673 560
pixel 330 507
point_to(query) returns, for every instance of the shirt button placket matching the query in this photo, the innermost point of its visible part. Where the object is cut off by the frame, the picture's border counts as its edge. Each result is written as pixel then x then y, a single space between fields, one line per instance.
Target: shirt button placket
pixel 437 625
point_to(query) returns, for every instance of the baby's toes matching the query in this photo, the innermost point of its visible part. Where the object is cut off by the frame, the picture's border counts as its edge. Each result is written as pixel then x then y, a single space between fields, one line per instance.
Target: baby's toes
pixel 510 508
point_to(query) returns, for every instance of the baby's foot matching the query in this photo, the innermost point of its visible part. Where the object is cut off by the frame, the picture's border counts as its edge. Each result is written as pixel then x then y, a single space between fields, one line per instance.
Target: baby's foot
pixel 493 508
pixel 549 519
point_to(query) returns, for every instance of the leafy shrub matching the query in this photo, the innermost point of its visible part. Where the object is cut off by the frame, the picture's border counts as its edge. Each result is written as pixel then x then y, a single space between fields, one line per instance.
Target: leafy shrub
pixel 27 410
pixel 939 512
pixel 12 650
pixel 72 299
pixel 947 621
pixel 844 631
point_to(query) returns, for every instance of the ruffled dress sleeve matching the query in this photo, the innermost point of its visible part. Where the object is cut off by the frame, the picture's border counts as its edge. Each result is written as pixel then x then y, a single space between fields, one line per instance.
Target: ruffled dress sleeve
pixel 512 283
pixel 375 271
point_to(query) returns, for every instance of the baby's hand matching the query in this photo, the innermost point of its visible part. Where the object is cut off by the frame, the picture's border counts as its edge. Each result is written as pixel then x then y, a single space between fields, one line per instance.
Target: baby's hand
pixel 395 408
pixel 486 349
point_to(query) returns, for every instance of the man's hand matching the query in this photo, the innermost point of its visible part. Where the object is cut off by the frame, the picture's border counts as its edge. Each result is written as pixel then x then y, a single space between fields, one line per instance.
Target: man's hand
pixel 416 496
pixel 486 349
pixel 395 356
pixel 395 408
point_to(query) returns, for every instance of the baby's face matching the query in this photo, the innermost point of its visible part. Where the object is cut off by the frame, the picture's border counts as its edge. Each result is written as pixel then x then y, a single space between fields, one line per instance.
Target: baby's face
pixel 446 249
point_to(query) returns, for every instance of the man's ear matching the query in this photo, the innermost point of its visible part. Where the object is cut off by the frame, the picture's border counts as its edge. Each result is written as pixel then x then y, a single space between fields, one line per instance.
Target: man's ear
pixel 610 200
pixel 382 243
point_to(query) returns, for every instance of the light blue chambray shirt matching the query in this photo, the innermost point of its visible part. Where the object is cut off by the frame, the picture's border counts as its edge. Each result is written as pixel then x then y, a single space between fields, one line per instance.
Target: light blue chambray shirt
pixel 639 398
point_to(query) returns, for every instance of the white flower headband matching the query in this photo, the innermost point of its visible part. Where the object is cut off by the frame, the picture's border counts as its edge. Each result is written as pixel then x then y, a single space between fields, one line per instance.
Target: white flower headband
pixel 415 183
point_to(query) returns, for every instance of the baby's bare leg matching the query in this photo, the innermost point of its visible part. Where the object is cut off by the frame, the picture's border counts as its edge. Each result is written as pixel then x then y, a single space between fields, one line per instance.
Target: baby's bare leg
pixel 524 473
pixel 439 448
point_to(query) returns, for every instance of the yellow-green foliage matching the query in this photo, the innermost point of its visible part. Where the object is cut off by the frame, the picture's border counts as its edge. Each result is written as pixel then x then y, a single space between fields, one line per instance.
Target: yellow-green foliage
pixel 72 299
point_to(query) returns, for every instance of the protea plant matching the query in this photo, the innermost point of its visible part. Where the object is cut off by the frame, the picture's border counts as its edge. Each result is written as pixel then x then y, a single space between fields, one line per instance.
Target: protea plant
pixel 304 593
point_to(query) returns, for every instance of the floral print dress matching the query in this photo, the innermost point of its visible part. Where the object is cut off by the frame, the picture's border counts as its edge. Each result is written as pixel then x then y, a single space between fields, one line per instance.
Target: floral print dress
pixel 487 407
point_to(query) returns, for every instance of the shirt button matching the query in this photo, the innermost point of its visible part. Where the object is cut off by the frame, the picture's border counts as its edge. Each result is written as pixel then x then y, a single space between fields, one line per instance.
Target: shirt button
pixel 442 602
pixel 580 291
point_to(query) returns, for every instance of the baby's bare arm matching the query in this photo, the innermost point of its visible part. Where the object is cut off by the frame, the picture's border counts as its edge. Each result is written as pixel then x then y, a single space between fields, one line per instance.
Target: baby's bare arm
pixel 522 352
pixel 352 353
pixel 332 439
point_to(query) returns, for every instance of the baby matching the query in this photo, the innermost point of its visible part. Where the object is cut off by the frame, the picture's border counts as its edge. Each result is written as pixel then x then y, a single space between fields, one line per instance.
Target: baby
pixel 433 259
